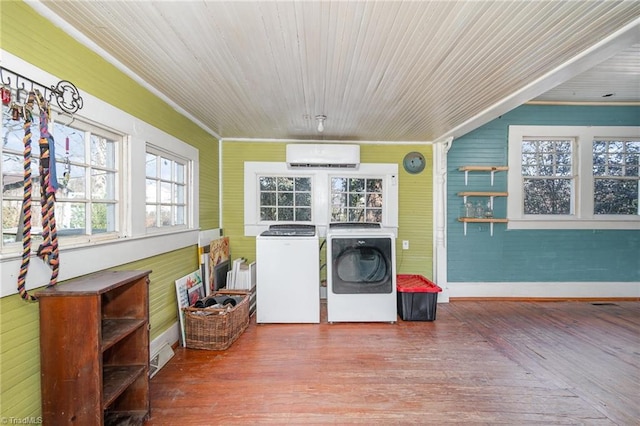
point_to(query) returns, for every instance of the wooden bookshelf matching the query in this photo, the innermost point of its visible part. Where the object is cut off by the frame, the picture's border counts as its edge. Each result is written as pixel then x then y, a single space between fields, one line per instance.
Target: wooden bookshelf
pixel 95 331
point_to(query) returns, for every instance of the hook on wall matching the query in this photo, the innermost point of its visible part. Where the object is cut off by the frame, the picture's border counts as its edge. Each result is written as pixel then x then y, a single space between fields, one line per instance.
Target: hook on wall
pixel 65 93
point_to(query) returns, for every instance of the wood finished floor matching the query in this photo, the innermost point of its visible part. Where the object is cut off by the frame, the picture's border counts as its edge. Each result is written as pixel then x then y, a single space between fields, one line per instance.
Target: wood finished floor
pixel 480 362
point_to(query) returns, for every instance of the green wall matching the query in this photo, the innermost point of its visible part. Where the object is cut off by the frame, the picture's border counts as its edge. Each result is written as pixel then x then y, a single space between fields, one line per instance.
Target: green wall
pixel 29 36
pixel 415 199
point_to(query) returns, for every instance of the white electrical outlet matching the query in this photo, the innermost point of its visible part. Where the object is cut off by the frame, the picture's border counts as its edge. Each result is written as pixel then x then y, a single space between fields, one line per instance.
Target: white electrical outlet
pixel 405 244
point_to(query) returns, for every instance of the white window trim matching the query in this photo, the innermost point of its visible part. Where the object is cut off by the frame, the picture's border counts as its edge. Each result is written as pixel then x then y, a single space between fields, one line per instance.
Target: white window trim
pixel 321 192
pixel 582 216
pixel 133 242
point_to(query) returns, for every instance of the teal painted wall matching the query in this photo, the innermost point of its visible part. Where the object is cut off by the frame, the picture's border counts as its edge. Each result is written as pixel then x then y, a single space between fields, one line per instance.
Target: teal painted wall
pixel 532 255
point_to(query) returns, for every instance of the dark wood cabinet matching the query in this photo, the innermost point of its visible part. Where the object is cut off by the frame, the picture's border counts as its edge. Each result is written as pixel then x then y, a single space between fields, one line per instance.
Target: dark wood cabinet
pixel 94 349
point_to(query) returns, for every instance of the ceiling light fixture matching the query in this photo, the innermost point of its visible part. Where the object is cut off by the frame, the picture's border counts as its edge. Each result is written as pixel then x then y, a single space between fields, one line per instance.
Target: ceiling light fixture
pixel 320 119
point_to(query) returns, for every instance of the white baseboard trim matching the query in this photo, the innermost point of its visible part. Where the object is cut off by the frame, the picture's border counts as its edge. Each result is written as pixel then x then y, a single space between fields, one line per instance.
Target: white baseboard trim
pixel 170 336
pixel 543 290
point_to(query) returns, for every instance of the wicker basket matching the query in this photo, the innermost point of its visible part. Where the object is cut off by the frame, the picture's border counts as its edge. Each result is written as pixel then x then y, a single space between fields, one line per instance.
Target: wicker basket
pixel 216 329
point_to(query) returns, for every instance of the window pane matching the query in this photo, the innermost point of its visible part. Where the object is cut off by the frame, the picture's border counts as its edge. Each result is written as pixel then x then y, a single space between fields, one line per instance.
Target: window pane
pixel 103 152
pixel 632 168
pixel 180 213
pixel 13 134
pixel 103 185
pixel 165 216
pixel 10 217
pixel 285 199
pixel 338 215
pixel 547 196
pixel 303 199
pixel 285 214
pixel 180 198
pixel 165 168
pixel 75 185
pixel 356 185
pixel 70 218
pixel 529 165
pixel 339 185
pixel 180 173
pixel 303 214
pixel 356 215
pixel 338 200
pixel 599 165
pixel 12 175
pixel 374 200
pixel 285 184
pixel 374 215
pixel 267 183
pixel 152 165
pixel 13 179
pixel 102 218
pixel 151 216
pixel 112 214
pixel 615 196
pixel 599 147
pixel 268 199
pixel 303 184
pixel 165 192
pixel 374 185
pixel 356 200
pixel 268 213
pixel 70 143
pixel 151 191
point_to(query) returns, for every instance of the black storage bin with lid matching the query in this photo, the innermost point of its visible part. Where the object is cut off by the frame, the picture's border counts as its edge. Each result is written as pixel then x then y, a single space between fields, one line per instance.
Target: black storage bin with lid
pixel 417 298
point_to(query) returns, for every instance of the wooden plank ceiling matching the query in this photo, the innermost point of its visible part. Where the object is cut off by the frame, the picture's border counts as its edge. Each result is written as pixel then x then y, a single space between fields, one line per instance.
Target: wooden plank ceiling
pixel 378 70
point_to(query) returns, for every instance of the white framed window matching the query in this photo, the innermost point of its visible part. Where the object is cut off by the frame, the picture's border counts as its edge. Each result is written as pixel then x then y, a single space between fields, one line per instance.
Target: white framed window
pixel 616 174
pixel 166 189
pixel 548 182
pixel 285 198
pixel 87 164
pixel 357 199
pixel 366 194
pixel 101 203
pixel 573 177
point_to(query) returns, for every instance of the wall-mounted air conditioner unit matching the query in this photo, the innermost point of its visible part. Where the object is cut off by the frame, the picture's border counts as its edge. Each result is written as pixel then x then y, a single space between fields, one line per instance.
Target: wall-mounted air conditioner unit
pixel 323 156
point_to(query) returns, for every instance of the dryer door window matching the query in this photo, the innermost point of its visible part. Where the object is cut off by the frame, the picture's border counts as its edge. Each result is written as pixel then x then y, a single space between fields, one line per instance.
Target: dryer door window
pixel 361 265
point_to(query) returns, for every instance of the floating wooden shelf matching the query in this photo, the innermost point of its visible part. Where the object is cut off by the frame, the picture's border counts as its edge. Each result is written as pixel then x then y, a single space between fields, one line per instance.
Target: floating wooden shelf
pixel 482 194
pixel 483 168
pixel 482 220
pixel 492 169
pixel 489 220
pixel 490 194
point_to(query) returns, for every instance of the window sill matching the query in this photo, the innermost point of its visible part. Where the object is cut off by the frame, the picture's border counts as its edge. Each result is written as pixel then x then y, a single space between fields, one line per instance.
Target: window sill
pixel 83 259
pixel 610 222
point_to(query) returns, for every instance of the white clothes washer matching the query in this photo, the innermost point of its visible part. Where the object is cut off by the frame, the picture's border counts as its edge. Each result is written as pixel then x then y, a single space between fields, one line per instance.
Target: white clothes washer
pixel 288 275
pixel 361 273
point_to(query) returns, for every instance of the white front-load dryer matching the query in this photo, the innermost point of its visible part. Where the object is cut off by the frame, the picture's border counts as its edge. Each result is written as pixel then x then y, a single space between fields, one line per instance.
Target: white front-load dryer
pixel 361 274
